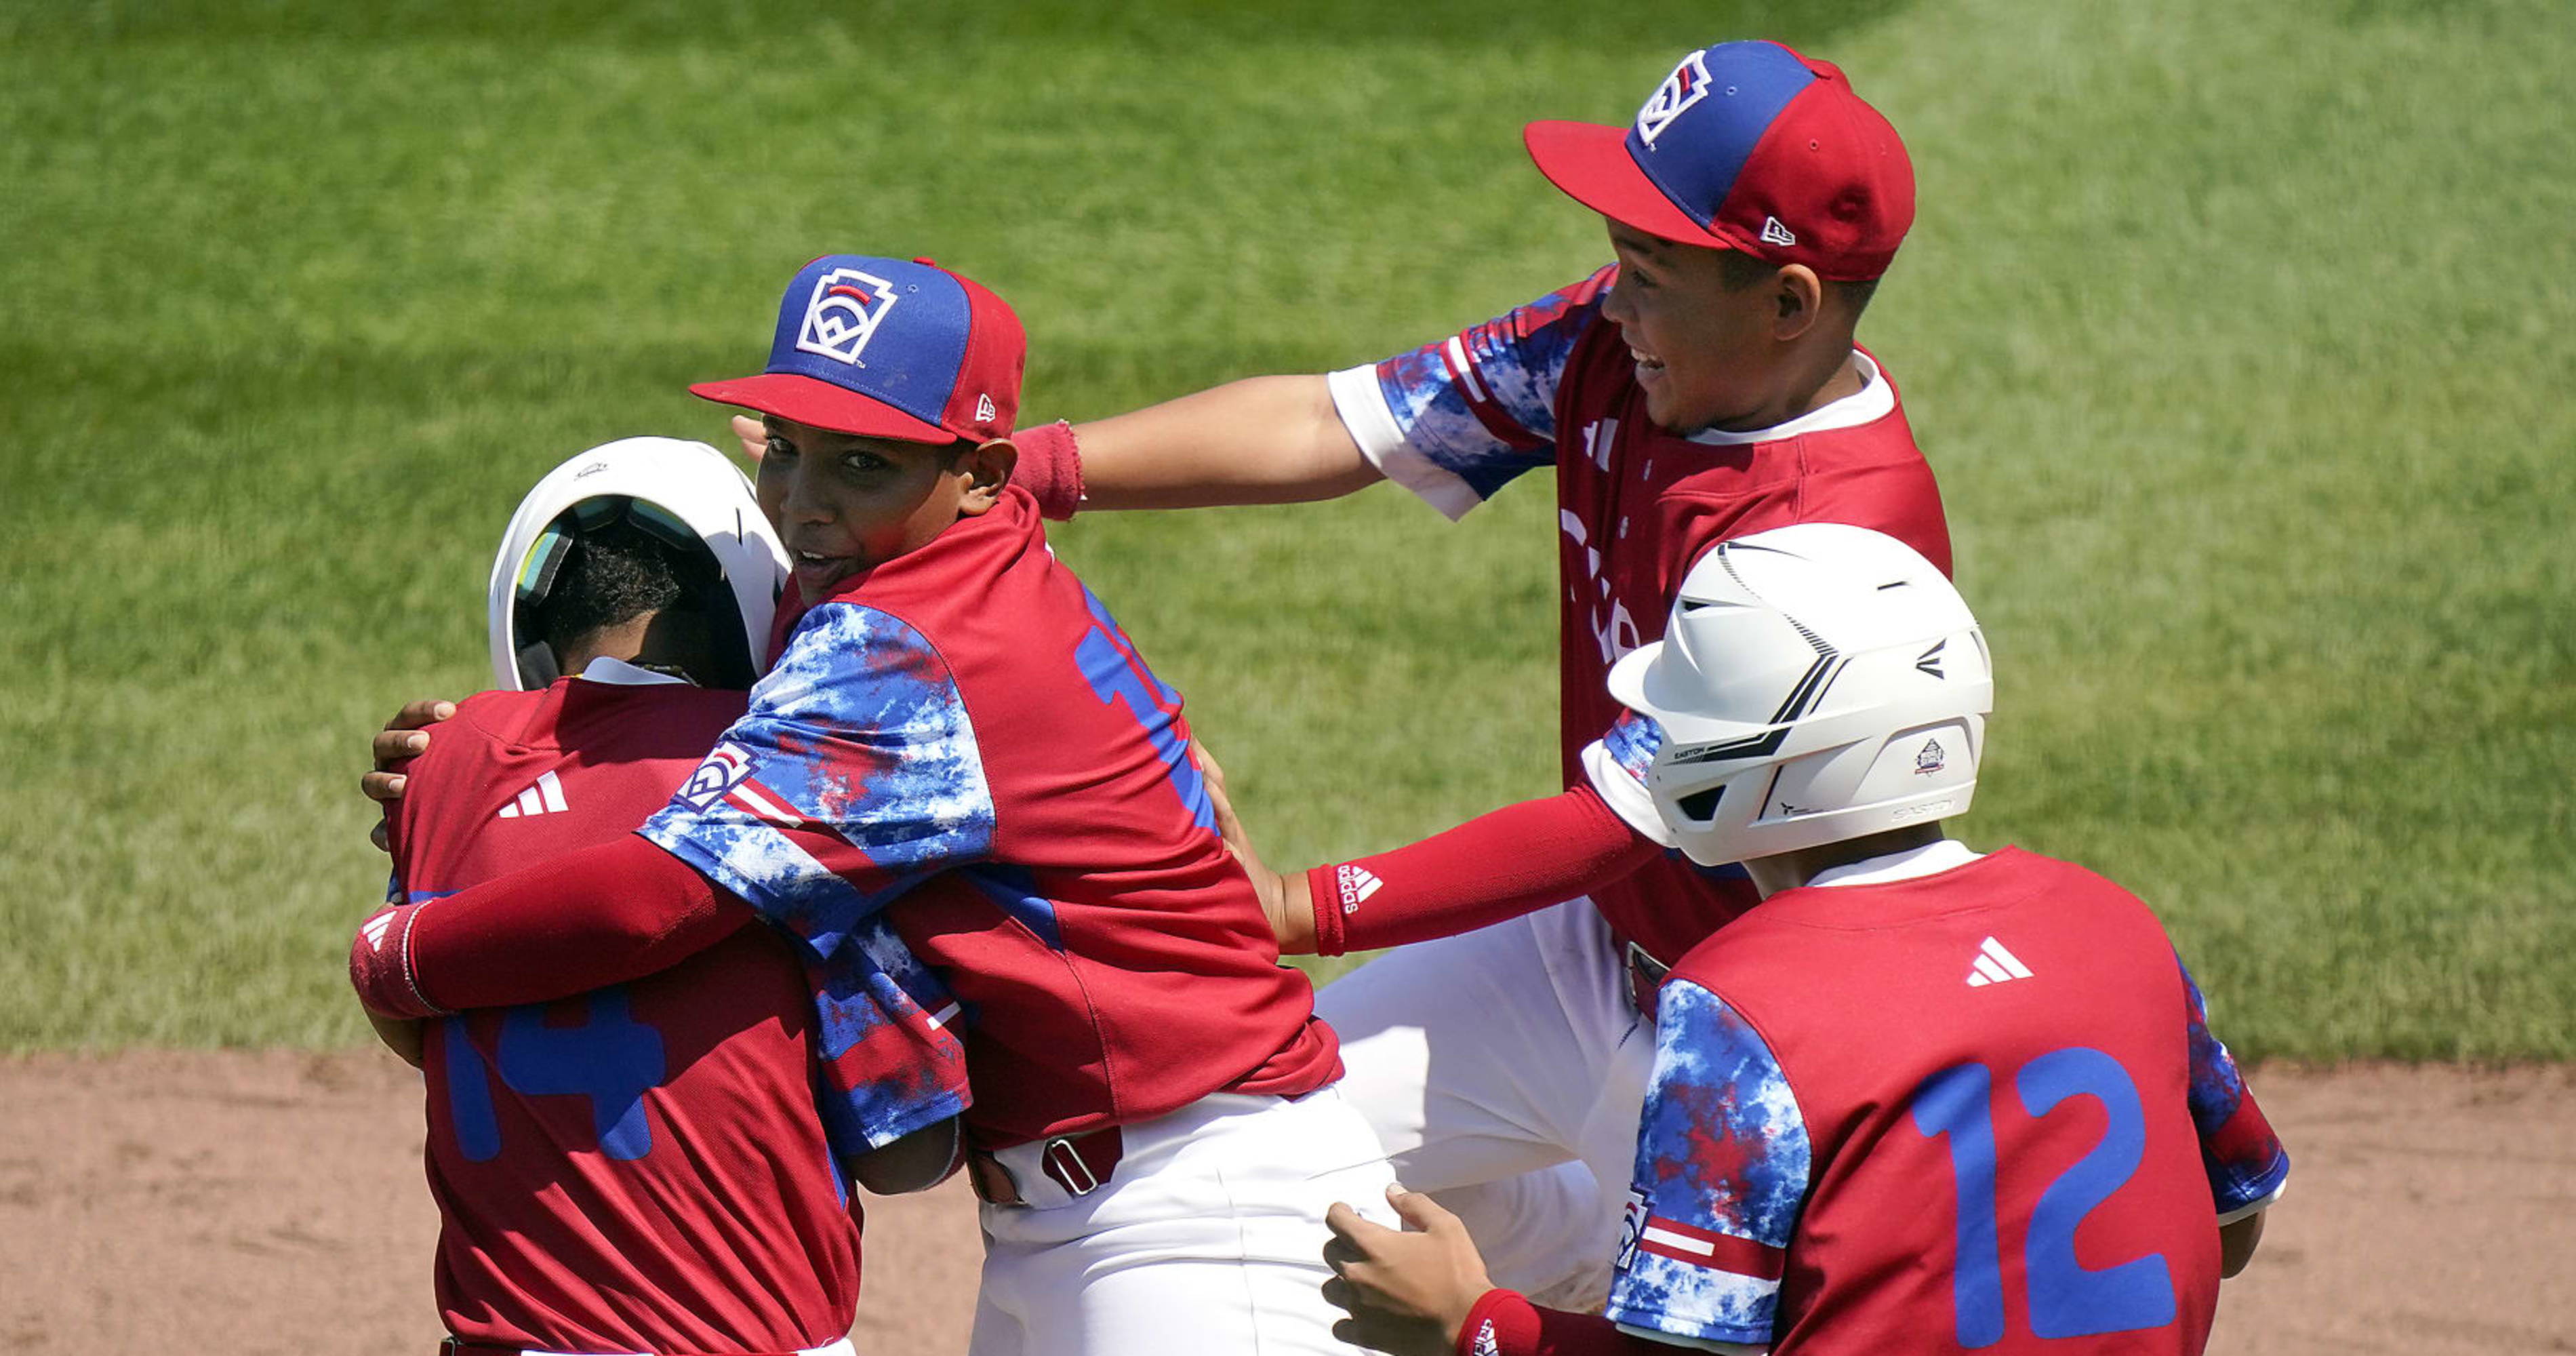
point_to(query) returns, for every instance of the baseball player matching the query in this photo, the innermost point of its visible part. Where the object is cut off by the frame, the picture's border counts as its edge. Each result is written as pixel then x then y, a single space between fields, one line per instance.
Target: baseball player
pixel 959 740
pixel 1919 1099
pixel 643 1167
pixel 1705 386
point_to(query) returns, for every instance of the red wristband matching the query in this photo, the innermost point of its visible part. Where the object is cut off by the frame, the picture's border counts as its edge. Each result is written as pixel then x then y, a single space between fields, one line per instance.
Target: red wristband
pixel 1324 893
pixel 1500 1323
pixel 380 964
pixel 1050 468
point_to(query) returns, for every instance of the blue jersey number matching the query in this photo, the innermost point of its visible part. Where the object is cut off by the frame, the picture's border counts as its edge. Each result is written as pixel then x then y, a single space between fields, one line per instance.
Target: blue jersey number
pixel 611 1059
pixel 2067 1299
pixel 1117 673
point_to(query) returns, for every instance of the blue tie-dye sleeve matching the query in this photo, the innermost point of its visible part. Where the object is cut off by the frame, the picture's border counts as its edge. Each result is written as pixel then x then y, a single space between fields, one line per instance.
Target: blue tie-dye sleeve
pixel 853 777
pixel 1454 421
pixel 887 1057
pixel 1722 1165
pixel 1616 765
pixel 2245 1161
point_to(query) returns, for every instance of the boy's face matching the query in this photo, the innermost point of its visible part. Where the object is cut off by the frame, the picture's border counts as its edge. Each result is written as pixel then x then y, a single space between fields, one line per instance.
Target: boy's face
pixel 1703 349
pixel 843 503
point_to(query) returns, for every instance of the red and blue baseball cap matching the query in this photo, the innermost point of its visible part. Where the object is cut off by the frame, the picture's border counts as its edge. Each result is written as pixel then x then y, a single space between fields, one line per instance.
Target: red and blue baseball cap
pixel 1746 146
pixel 888 348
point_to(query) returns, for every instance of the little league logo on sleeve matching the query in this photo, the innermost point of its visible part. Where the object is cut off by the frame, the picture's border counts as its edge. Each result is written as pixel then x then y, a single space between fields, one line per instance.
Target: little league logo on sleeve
pixel 1687 85
pixel 726 768
pixel 844 313
pixel 1632 1230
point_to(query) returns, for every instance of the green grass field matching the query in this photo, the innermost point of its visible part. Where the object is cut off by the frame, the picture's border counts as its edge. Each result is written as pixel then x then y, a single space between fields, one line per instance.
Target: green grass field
pixel 2243 339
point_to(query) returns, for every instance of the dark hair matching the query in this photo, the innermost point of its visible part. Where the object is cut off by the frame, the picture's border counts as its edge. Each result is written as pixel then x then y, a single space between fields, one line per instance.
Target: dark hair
pixel 614 575
pixel 1739 270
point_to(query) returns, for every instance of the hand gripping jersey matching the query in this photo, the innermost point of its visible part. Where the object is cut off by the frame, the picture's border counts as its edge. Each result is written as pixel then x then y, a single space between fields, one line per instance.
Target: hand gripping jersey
pixel 965 728
pixel 1974 1110
pixel 1552 384
pixel 640 1168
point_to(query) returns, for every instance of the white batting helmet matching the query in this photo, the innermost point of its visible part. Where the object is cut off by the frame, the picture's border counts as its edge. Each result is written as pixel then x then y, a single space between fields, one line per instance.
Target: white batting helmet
pixel 1816 683
pixel 685 494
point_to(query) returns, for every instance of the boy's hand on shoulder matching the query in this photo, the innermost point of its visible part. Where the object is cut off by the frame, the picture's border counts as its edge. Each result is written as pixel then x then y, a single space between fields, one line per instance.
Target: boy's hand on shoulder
pixel 1407 1292
pixel 1285 901
pixel 403 739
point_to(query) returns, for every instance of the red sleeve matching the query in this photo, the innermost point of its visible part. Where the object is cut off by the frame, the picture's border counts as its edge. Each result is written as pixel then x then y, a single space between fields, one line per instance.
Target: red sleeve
pixel 1496 866
pixel 603 915
pixel 1505 1324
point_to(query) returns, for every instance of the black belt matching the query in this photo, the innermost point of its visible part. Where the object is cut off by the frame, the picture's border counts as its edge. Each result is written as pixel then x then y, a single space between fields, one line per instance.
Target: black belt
pixel 1081 1164
pixel 1645 978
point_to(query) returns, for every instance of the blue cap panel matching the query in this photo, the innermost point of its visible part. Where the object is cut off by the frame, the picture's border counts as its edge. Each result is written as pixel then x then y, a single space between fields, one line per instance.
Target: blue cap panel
pixel 1700 126
pixel 889 329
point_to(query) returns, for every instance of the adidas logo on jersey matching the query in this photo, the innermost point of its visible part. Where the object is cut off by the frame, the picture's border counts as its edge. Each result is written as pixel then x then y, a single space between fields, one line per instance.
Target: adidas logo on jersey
pixel 374 929
pixel 1486 1343
pixel 1355 884
pixel 1995 965
pixel 544 798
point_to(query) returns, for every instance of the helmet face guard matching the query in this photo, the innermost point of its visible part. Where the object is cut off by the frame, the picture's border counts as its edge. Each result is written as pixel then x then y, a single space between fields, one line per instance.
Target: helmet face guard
pixel 1815 683
pixel 685 495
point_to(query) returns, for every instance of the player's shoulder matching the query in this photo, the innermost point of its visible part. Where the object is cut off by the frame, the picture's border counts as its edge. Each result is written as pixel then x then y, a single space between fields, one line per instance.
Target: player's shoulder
pixel 2062 879
pixel 498 718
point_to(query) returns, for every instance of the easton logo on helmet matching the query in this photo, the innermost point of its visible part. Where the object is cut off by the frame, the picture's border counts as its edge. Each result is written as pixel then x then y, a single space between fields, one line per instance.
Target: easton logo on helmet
pixel 1687 85
pixel 843 314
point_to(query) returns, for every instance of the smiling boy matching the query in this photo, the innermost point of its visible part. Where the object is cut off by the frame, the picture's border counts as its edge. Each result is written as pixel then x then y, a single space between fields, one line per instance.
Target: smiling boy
pixel 957 737
pixel 1707 385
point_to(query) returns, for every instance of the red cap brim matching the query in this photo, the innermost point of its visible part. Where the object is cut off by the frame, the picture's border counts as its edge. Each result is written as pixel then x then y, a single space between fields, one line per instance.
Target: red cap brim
pixel 1591 164
pixel 822 405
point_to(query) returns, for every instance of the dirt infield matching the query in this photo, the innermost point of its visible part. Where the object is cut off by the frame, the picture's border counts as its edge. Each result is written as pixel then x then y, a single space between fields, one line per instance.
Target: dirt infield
pixel 268 1202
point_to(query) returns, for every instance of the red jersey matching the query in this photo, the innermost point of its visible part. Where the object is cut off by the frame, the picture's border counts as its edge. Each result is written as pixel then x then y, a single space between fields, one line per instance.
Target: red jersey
pixel 1552 384
pixel 965 728
pixel 640 1168
pixel 2002 1126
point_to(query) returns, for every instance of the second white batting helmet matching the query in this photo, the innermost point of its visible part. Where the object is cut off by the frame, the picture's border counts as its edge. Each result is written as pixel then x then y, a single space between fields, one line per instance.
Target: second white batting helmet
pixel 1815 683
pixel 683 493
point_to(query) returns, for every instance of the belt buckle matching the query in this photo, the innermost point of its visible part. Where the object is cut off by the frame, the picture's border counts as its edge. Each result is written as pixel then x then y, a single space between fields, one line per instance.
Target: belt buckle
pixel 1062 1161
pixel 1645 977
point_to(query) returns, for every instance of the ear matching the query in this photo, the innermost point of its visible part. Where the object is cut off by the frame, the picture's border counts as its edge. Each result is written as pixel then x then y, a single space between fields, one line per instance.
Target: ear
pixel 1800 297
pixel 987 469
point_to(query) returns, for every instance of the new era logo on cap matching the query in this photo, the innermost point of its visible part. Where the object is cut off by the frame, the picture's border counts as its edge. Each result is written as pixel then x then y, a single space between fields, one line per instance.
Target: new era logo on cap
pixel 888 348
pixel 1746 146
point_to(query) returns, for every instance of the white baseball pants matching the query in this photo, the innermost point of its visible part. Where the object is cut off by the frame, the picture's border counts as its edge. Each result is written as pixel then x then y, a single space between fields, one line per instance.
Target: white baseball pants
pixel 1504 1071
pixel 1208 1238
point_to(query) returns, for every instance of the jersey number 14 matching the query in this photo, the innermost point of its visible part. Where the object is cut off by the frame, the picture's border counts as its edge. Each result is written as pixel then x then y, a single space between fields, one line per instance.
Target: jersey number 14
pixel 611 1060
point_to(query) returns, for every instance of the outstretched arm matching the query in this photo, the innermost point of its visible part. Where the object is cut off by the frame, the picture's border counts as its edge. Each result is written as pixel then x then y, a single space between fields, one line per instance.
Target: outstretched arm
pixel 1501 865
pixel 1263 440
pixel 603 915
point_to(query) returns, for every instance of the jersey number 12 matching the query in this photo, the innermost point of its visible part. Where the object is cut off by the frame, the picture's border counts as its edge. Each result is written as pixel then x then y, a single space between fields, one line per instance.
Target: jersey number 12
pixel 2066 1298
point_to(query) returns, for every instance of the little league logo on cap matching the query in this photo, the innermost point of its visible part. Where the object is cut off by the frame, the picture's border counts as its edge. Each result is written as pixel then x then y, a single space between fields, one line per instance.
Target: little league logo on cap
pixel 846 308
pixel 1746 146
pixel 888 348
pixel 1687 85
